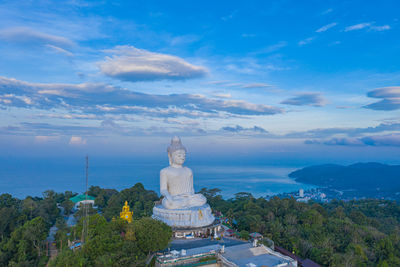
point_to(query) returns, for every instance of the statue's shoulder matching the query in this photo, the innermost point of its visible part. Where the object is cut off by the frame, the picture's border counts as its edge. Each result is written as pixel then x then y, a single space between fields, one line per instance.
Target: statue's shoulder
pixel 188 170
pixel 166 169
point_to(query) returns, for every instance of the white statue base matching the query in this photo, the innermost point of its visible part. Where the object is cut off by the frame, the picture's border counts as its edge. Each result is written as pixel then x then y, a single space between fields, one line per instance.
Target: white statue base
pixel 192 217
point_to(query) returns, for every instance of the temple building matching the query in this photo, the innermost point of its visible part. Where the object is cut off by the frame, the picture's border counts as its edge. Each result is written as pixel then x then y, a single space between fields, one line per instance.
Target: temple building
pixel 82 199
pixel 126 214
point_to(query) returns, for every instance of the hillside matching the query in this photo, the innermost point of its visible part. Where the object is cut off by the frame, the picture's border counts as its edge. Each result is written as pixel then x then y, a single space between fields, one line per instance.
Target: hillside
pixel 366 178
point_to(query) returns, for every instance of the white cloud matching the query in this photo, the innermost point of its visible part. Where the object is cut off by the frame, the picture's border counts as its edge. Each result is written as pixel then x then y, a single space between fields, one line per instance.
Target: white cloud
pixel 184 39
pixel 326 27
pixel 218 82
pixel 59 50
pixel 240 85
pixel 29 35
pixel 306 41
pixel 271 48
pixel 357 26
pixel 77 141
pixel 247 35
pixel 380 28
pixel 132 64
pixel 255 85
pixel 389 98
pixel 222 95
pixel 230 16
pixel 385 92
pixel 367 25
pixel 306 99
pixel 329 10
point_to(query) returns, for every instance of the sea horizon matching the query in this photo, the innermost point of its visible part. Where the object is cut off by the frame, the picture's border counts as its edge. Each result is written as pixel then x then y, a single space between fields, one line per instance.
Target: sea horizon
pixel 22 177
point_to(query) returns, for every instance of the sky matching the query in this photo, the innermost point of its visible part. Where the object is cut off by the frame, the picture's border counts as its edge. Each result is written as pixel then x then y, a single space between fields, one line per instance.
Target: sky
pixel 287 81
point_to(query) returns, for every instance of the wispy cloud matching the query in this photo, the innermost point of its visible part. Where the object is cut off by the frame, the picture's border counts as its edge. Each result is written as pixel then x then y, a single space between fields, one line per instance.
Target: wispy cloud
pixel 128 63
pixel 271 48
pixel 357 26
pixel 380 28
pixel 59 50
pixel 230 16
pixel 390 98
pixel 240 85
pixel 255 85
pixel 247 35
pixel 326 27
pixel 306 41
pixel 306 99
pixel 27 35
pixel 329 10
pixel 367 25
pixel 222 95
pixel 184 39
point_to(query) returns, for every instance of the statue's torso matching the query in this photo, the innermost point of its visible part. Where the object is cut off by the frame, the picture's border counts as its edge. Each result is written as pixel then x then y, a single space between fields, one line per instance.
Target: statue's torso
pixel 179 180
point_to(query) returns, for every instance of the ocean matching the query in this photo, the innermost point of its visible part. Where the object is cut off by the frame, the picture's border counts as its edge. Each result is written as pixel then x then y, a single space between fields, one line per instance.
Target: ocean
pixel 21 177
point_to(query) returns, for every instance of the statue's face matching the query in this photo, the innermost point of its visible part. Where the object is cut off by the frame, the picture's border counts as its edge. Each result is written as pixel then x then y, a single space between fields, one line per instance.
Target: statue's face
pixel 178 157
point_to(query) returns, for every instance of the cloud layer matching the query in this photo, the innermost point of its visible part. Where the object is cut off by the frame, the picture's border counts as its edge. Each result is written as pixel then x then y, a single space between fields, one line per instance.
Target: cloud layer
pixel 128 63
pixel 97 98
pixel 240 129
pixel 376 140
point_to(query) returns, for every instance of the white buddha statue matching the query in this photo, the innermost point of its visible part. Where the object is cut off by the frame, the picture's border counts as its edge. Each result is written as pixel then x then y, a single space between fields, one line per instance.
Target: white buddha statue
pixel 176 181
pixel 181 208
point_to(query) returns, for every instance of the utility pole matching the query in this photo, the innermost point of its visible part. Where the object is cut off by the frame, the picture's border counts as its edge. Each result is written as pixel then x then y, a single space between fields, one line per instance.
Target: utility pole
pixel 85 226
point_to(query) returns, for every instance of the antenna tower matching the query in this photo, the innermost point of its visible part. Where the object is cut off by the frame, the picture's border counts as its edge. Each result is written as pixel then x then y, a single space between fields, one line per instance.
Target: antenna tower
pixel 85 226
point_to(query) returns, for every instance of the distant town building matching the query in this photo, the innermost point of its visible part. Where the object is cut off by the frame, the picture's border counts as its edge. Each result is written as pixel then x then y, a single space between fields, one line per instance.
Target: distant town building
pixel 301 192
pixel 303 199
pixel 126 214
pixel 81 199
pixel 256 235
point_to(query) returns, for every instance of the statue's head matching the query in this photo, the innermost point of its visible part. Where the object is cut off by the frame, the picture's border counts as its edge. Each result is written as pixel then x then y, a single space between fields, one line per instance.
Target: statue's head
pixel 176 151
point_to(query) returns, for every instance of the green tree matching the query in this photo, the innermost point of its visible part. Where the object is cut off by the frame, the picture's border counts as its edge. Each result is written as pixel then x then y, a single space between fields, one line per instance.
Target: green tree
pixel 67 205
pixel 151 235
pixel 26 242
pixel 245 235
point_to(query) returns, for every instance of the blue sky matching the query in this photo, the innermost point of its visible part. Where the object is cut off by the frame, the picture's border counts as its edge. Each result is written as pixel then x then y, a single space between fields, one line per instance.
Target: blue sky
pixel 275 79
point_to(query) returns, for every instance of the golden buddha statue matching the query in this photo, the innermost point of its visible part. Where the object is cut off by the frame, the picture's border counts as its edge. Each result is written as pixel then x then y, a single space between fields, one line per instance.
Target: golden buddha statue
pixel 126 214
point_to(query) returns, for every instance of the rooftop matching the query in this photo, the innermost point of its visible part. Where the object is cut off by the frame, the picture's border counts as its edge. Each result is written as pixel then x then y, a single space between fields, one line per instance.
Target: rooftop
pixel 178 256
pixel 242 255
pixel 179 244
pixel 79 198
